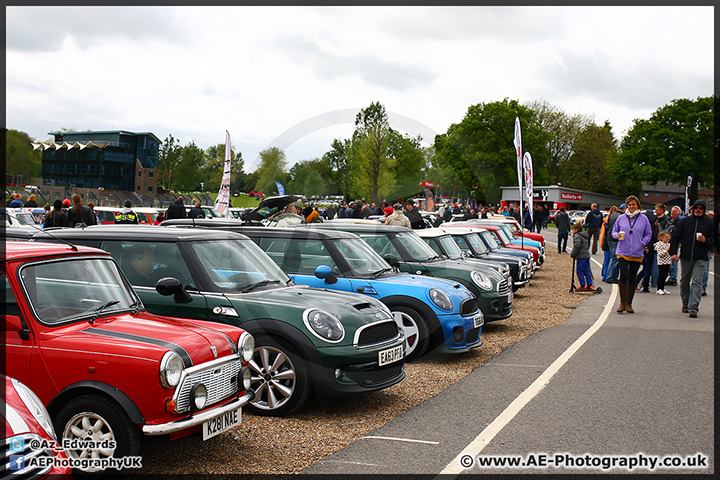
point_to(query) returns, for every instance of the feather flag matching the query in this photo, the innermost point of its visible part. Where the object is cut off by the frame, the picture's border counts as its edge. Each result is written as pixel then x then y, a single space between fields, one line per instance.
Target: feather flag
pixel 687 194
pixel 222 203
pixel 517 141
pixel 527 160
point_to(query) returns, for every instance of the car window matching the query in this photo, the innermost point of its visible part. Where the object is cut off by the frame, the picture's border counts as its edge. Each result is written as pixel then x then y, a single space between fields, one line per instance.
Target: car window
pixel 144 263
pixel 362 259
pixel 476 243
pixel 452 250
pixel 236 264
pixel 418 250
pixel 73 289
pixel 490 240
pixel 434 245
pixel 380 243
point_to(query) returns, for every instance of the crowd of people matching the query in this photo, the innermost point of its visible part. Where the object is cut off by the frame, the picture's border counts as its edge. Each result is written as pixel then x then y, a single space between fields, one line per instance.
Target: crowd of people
pixel 643 249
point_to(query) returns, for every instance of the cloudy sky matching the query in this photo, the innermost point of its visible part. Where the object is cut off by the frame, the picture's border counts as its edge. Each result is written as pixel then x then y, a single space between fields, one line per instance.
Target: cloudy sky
pixel 296 77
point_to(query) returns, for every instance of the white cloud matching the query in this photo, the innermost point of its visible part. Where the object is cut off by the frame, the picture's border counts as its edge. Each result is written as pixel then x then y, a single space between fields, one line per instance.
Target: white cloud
pixel 194 72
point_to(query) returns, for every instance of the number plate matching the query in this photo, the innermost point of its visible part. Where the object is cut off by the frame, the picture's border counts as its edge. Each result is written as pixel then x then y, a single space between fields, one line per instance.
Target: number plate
pixel 391 356
pixel 510 297
pixel 224 422
pixel 479 321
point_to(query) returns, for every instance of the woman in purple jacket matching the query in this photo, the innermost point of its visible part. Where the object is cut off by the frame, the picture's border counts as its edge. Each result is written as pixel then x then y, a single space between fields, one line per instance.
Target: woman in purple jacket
pixel 632 231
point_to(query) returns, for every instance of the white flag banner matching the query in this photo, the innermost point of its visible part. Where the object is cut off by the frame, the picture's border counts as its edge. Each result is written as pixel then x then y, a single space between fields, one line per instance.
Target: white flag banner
pixel 687 194
pixel 518 149
pixel 527 160
pixel 222 202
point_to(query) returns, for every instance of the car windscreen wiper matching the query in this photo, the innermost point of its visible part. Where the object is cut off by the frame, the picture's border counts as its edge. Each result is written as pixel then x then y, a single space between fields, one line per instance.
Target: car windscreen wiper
pixel 261 283
pixel 96 312
pixel 381 271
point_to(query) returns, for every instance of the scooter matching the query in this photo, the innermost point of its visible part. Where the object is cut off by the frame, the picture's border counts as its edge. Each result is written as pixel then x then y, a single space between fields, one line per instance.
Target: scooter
pixel 573 288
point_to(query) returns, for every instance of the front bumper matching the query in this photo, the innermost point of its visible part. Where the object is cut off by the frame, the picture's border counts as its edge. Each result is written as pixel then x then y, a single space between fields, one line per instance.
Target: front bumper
pixel 198 418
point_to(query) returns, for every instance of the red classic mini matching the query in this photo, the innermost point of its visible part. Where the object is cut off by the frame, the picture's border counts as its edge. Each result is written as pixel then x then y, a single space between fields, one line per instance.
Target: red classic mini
pixel 78 335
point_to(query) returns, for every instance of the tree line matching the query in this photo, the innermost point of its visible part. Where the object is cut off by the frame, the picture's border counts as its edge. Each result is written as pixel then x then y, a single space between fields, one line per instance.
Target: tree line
pixel 472 159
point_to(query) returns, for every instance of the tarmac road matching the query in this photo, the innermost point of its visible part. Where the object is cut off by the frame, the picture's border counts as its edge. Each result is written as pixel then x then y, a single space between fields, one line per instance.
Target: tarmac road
pixel 602 387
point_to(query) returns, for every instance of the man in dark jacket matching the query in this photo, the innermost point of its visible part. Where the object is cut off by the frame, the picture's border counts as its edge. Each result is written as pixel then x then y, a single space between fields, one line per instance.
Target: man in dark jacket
pixel 126 215
pixel 612 273
pixel 413 214
pixel 562 222
pixel 196 211
pixel 176 209
pixel 593 222
pixel 695 235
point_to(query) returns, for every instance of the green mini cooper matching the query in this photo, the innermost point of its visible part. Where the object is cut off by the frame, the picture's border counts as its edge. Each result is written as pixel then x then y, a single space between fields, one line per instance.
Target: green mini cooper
pixel 335 343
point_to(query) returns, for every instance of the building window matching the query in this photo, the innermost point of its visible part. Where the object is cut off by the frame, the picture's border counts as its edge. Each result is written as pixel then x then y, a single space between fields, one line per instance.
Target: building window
pixel 138 189
pixel 151 174
pixel 149 189
pixel 657 194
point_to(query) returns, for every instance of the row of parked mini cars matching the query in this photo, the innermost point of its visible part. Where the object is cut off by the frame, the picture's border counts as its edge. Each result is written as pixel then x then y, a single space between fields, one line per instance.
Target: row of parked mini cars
pixel 129 330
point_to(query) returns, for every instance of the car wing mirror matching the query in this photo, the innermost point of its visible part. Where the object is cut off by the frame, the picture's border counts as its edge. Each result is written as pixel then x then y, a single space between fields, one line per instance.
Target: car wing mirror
pixel 324 272
pixel 13 323
pixel 172 286
pixel 391 259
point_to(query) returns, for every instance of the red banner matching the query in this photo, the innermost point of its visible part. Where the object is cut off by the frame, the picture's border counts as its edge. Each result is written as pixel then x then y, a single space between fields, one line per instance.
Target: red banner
pixel 427 184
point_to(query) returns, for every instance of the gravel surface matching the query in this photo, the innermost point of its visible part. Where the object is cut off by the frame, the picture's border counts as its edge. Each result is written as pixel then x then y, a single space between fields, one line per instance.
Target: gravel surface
pixel 264 445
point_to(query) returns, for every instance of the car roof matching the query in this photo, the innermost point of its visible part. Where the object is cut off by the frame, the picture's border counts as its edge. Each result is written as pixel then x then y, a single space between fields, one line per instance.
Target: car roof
pixel 279 232
pixel 19 250
pixel 138 232
pixel 352 227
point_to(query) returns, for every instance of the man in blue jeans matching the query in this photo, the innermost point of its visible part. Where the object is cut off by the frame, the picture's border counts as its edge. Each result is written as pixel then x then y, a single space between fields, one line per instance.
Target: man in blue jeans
pixel 562 222
pixel 695 235
pixel 593 222
pixel 612 270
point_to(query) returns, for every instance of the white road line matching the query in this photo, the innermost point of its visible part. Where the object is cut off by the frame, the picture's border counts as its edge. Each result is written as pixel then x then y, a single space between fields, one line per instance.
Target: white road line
pixel 512 365
pixel 354 463
pixel 401 439
pixel 482 440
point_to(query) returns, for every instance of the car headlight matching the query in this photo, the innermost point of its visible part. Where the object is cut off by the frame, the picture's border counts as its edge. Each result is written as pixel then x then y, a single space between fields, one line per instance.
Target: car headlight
pixel 441 299
pixel 246 346
pixel 480 280
pixel 36 407
pixel 199 396
pixel 171 368
pixel 246 376
pixel 323 325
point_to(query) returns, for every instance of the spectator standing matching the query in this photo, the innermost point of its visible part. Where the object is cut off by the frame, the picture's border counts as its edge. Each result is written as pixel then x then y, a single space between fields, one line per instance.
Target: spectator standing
pixel 330 212
pixel 528 219
pixel 546 215
pixel 538 219
pixel 562 222
pixel 398 217
pixel 46 207
pixel 608 253
pixel 159 219
pixel 66 205
pixel 57 217
pixel 663 220
pixel 675 217
pixel 632 230
pixel 694 237
pixel 387 211
pixel 649 265
pixel 31 203
pixel 413 214
pixel 581 254
pixel 349 210
pixel 483 212
pixel 176 209
pixel 593 221
pixel 16 201
pixel 196 211
pixel 79 214
pixel 662 248
pixel 612 273
pixel 91 206
pixel 126 216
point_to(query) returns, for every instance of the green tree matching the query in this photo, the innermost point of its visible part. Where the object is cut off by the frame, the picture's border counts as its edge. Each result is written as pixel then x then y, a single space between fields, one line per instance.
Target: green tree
pixel 168 157
pixel 563 130
pixel 409 166
pixel 481 152
pixel 273 168
pixel 675 141
pixel 339 164
pixel 188 171
pixel 20 158
pixel 370 143
pixel 587 169
pixel 215 165
pixel 308 178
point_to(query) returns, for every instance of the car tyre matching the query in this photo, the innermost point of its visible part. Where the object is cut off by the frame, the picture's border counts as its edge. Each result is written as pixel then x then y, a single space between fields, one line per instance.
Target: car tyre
pixel 99 418
pixel 414 328
pixel 280 378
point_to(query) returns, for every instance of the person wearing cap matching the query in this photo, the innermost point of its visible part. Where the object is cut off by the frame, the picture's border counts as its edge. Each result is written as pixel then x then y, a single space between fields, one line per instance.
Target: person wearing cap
pixel 695 237
pixel 413 214
pixel 56 217
pixel 126 215
pixel 196 211
pixel 311 215
pixel 387 211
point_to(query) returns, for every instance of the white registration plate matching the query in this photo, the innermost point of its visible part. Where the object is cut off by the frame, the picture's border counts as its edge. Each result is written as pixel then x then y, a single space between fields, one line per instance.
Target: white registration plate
pixel 510 297
pixel 478 321
pixel 224 422
pixel 391 356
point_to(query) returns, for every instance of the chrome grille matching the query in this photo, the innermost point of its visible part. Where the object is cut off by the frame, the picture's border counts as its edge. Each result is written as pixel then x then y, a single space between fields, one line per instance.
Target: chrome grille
pixel 504 287
pixel 220 377
pixel 469 306
pixel 377 333
pixel 27 472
